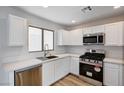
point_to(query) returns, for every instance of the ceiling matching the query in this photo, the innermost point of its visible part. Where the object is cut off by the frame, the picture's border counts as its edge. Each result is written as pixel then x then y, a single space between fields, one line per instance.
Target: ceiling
pixel 65 14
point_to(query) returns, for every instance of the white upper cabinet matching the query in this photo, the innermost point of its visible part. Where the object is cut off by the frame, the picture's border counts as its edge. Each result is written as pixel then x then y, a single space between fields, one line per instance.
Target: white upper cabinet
pixel 62 37
pixel 16 28
pixel 98 29
pixel 114 34
pixel 94 29
pixel 87 30
pixel 75 37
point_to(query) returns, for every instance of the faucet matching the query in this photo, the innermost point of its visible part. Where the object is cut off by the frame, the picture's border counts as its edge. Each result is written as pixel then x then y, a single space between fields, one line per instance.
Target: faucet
pixel 45 53
pixel 46 50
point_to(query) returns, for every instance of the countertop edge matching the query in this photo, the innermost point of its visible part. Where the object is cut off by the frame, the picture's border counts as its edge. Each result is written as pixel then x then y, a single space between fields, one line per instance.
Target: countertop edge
pixel 114 61
pixel 13 66
pixel 21 64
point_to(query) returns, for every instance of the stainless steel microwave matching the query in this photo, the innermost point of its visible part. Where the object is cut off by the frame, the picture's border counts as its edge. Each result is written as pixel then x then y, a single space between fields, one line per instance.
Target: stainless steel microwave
pixel 94 39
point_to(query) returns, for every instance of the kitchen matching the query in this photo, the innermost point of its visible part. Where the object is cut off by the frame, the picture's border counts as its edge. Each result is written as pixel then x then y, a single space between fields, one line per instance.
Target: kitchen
pixel 36 50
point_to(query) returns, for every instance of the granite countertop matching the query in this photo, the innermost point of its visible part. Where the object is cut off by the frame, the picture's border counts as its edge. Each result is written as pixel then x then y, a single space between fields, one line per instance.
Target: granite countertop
pixel 32 62
pixel 114 60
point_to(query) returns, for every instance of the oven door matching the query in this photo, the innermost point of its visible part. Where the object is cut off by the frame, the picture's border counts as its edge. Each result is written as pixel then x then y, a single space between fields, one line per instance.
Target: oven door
pixel 91 71
pixel 90 39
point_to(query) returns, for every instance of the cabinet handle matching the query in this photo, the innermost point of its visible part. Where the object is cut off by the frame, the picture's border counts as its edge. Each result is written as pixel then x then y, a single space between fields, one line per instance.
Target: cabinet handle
pixel 20 79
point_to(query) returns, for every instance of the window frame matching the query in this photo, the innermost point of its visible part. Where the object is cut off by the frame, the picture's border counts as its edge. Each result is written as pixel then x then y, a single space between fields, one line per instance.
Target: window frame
pixel 53 39
pixel 42 41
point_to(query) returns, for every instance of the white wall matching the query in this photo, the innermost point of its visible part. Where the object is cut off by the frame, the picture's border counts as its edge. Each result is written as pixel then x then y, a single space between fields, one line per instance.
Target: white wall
pixel 13 53
pixel 114 52
pixel 111 51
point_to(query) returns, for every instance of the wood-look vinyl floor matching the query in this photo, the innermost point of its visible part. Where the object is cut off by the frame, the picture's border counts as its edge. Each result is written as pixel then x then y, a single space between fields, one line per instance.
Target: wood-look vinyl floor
pixel 71 80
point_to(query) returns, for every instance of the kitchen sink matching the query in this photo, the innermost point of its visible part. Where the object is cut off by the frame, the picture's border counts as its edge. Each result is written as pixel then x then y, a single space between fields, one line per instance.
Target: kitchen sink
pixel 46 58
pixel 50 57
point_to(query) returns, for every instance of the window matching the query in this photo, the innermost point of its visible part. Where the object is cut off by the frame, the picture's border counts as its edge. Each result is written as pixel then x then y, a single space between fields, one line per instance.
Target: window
pixel 48 40
pixel 40 39
pixel 35 39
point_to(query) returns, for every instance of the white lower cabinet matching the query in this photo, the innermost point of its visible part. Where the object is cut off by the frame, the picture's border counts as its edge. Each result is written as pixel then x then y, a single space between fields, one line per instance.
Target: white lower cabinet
pixel 113 74
pixel 48 73
pixel 74 69
pixel 61 68
pixel 55 70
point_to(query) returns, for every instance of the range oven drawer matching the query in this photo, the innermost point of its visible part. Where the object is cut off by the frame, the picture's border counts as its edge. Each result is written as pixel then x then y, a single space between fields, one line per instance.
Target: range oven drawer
pixel 91 71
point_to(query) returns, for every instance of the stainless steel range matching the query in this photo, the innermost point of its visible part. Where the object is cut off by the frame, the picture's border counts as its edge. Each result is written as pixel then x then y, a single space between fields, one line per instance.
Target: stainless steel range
pixel 91 64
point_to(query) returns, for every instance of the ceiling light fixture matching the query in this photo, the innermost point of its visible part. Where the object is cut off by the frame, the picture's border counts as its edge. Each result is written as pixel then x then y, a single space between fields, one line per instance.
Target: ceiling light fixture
pixel 45 6
pixel 86 9
pixel 116 7
pixel 73 21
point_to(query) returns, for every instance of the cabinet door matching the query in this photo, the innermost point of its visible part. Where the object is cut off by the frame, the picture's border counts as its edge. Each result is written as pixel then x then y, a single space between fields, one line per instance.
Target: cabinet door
pixel 16 28
pixel 111 75
pixel 62 37
pixel 74 66
pixel 48 73
pixel 30 77
pixel 114 34
pixel 66 38
pixel 87 30
pixel 98 29
pixel 59 37
pixel 66 65
pixel 61 68
pixel 75 37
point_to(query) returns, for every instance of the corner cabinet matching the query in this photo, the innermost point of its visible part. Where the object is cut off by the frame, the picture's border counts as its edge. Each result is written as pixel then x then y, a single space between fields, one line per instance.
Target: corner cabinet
pixel 55 70
pixel 114 34
pixel 113 74
pixel 16 28
pixel 74 68
pixel 76 37
pixel 48 73
pixel 93 29
pixel 62 68
pixel 73 37
pixel 62 37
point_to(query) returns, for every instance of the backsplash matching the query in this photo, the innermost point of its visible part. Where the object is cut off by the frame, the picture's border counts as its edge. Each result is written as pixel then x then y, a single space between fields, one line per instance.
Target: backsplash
pixel 111 51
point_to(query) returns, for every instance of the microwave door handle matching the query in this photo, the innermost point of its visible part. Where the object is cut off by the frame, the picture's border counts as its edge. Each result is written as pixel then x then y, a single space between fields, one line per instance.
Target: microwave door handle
pixel 97 39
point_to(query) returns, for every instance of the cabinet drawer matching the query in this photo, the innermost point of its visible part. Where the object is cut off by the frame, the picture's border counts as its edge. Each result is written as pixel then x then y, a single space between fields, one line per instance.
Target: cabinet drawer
pixel 75 58
pixel 111 65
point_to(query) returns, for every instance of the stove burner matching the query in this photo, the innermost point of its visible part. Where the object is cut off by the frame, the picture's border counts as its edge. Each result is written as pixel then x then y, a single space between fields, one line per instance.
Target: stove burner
pixel 92 57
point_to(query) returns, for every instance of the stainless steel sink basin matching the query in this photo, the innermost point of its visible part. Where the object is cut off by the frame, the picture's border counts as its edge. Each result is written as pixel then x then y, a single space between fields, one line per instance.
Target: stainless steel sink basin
pixel 46 58
pixel 42 58
pixel 50 57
